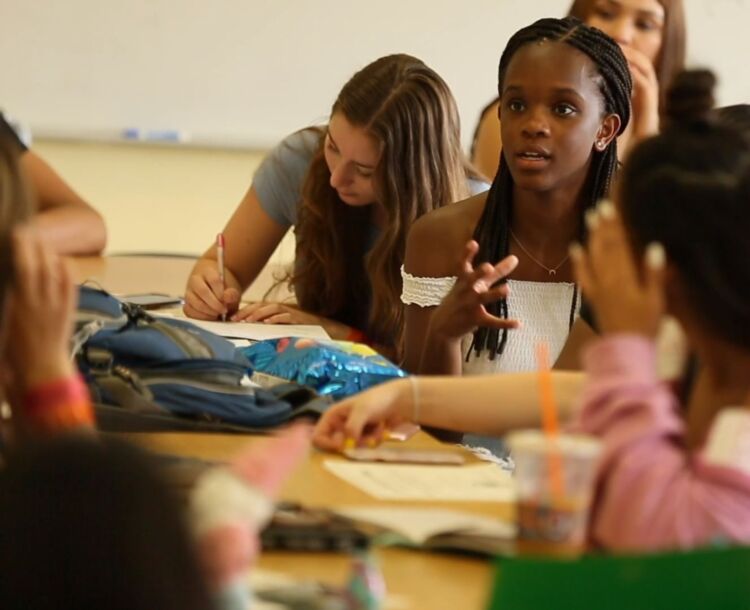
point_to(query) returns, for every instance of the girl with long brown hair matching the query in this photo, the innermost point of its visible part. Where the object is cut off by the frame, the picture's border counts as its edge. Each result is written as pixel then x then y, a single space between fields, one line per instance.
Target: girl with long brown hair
pixel 651 34
pixel 351 189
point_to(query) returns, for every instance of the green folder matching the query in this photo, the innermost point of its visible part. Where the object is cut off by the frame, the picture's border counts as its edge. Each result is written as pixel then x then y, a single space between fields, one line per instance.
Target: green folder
pixel 712 578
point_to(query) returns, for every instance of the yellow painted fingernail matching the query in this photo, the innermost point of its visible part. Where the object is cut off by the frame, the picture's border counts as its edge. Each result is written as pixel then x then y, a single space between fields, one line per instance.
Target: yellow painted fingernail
pixel 350 443
pixel 372 443
pixel 575 250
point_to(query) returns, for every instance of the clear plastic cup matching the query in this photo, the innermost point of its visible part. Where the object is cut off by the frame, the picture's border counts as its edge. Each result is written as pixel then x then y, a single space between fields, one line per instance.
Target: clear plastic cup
pixel 552 518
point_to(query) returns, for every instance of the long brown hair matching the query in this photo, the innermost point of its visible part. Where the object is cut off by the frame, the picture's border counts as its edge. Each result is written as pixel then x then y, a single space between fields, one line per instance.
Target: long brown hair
pixel 409 110
pixel 15 207
pixel 671 58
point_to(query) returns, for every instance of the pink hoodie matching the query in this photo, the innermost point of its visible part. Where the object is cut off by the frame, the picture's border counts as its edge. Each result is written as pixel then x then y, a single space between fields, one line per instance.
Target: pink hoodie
pixel 652 493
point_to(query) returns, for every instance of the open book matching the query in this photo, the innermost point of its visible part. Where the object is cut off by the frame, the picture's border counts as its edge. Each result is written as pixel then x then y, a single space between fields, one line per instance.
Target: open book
pixel 342 528
pixel 433 528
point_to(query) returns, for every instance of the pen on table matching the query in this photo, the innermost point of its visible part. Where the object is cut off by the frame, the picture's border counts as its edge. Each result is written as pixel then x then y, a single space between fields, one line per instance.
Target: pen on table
pixel 220 262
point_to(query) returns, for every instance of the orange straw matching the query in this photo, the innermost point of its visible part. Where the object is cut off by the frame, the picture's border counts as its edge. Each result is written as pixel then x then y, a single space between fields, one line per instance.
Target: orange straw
pixel 550 422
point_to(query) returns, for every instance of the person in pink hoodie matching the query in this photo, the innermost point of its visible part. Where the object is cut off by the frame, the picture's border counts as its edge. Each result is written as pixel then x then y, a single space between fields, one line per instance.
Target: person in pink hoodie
pixel 672 476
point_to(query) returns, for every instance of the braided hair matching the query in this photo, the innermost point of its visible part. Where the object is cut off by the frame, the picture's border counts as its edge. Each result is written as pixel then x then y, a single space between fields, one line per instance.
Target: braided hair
pixel 689 189
pixel 615 85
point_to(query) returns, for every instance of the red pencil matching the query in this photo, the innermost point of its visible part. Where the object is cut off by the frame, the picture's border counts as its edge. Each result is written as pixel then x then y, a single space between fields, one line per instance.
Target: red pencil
pixel 220 262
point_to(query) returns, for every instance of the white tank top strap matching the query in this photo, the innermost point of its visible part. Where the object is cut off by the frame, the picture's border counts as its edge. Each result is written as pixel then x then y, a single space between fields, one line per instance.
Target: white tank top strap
pixel 424 291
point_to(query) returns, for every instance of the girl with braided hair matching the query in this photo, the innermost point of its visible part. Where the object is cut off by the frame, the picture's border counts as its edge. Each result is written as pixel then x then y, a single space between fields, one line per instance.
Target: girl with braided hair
pixel 652 36
pixel 565 91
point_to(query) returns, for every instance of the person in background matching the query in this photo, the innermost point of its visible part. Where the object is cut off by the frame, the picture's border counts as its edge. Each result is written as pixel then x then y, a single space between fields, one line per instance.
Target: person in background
pixel 90 523
pixel 672 476
pixel 87 523
pixel 351 189
pixel 37 301
pixel 652 36
pixel 66 223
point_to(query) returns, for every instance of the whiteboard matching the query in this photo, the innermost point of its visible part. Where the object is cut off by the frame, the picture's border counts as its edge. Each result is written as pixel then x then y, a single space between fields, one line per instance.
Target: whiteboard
pixel 246 72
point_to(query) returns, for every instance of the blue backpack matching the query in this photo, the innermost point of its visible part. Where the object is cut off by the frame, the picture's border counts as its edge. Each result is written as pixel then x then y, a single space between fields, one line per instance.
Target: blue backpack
pixel 143 371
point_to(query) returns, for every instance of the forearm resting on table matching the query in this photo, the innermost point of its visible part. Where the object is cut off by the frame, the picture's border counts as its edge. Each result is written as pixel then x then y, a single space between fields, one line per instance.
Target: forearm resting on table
pixel 72 229
pixel 491 404
pixel 68 224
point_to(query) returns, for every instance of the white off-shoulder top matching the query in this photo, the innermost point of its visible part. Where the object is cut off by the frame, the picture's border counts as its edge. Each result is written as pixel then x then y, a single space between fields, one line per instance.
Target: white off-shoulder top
pixel 542 307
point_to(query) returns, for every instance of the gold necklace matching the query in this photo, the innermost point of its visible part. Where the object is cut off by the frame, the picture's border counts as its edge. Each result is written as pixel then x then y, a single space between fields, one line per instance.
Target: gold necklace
pixel 551 271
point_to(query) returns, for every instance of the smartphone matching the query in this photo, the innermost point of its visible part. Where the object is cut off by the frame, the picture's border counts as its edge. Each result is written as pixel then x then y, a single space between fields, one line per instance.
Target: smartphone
pixel 152 300
pixel 403 455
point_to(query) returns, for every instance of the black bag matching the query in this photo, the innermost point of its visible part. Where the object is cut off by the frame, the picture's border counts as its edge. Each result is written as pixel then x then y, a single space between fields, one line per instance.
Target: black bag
pixel 142 371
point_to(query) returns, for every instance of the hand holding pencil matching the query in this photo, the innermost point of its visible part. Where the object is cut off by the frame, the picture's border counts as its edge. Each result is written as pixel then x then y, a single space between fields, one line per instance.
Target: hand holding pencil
pixel 213 293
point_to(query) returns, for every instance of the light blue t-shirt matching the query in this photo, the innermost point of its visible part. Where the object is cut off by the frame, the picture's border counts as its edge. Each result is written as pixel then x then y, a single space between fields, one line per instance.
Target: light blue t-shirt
pixel 279 179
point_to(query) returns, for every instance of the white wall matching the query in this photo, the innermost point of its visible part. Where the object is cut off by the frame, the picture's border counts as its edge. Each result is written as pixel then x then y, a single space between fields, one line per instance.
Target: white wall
pixel 246 72
pixel 156 199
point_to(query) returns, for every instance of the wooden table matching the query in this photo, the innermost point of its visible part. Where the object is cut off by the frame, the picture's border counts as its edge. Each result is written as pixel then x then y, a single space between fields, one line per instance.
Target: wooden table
pixel 415 579
pixel 164 274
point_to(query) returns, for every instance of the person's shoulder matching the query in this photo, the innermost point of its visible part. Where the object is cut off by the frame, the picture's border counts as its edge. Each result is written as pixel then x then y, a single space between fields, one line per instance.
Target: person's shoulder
pixel 291 156
pixel 454 219
pixel 436 240
pixel 279 179
pixel 301 144
pixel 307 138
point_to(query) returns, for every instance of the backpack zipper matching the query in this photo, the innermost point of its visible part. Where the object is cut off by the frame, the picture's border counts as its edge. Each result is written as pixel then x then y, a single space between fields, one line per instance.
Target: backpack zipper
pixel 201 385
pixel 191 346
pixel 141 384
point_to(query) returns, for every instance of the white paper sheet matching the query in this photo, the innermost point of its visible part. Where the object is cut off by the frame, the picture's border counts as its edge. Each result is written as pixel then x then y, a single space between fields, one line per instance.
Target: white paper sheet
pixel 254 331
pixel 473 483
